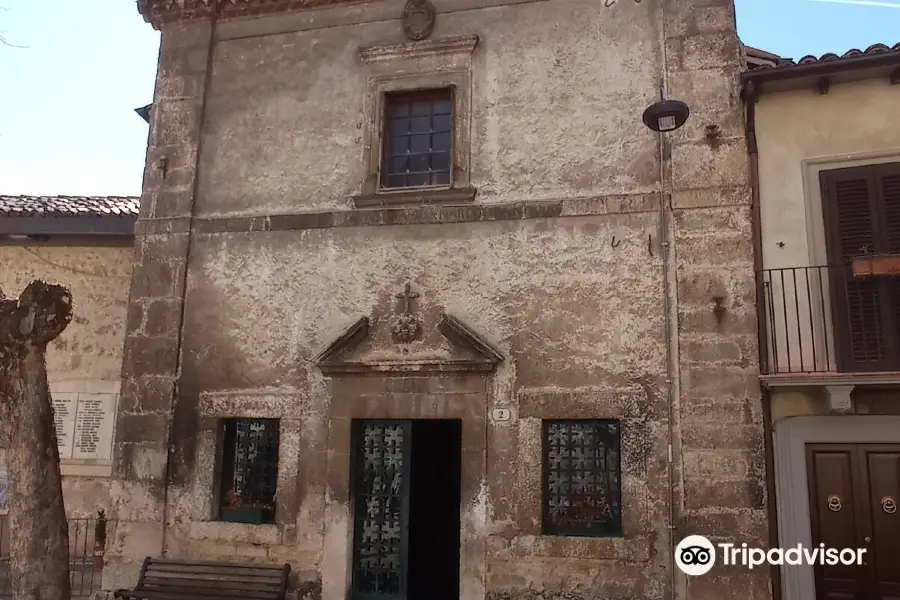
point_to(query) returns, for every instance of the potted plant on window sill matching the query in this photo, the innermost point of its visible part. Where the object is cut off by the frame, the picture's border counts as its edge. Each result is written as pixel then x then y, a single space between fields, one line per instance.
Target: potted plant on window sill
pixel 235 510
pixel 99 539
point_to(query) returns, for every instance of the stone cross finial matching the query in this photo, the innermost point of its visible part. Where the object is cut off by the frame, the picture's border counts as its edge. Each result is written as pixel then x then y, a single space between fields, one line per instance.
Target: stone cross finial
pixel 407 296
pixel 406 325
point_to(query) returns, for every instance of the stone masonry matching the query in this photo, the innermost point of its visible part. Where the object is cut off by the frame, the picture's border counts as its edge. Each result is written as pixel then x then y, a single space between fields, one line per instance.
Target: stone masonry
pixel 252 256
pixel 723 492
pixel 152 342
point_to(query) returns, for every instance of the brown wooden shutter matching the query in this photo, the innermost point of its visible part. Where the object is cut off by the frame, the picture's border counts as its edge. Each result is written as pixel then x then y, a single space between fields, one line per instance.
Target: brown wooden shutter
pixel 887 185
pixel 862 216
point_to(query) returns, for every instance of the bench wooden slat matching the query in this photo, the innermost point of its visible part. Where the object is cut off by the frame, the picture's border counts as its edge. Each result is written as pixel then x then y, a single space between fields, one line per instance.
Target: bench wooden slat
pixel 210 583
pixel 209 563
pixel 209 577
pixel 208 573
pixel 167 579
pixel 204 582
pixel 168 595
pixel 215 592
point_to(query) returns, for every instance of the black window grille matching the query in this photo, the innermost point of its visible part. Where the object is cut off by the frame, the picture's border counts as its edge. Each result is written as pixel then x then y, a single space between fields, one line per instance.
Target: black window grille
pixel 249 470
pixel 582 478
pixel 418 133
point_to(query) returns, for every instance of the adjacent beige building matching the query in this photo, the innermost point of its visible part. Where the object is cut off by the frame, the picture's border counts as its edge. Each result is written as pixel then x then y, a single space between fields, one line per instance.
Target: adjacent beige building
pixel 86 244
pixel 825 149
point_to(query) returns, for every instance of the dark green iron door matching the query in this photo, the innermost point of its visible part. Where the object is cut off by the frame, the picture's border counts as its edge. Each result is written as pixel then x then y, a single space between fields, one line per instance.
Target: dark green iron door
pixel 380 487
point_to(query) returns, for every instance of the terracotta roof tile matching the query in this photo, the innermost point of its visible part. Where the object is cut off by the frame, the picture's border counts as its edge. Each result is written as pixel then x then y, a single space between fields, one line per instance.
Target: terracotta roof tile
pixel 69 206
pixel 782 63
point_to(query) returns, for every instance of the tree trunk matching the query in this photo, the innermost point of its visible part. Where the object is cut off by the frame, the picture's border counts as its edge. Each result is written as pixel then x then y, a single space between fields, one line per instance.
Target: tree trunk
pixel 38 532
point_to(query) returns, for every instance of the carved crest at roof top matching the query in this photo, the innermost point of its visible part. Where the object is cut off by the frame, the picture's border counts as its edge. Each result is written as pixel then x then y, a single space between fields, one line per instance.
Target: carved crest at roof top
pixel 157 12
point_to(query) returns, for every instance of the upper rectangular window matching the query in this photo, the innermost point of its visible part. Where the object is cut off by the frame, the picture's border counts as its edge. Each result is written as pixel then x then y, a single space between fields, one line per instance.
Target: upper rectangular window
pixel 861 211
pixel 249 473
pixel 418 139
pixel 582 478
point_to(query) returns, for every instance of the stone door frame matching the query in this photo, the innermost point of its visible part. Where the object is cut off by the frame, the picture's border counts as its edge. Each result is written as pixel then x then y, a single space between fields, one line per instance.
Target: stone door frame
pixel 791 484
pixel 399 396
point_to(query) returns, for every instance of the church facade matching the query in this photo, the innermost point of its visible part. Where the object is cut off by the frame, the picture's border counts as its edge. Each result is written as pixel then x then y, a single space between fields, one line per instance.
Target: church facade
pixel 421 306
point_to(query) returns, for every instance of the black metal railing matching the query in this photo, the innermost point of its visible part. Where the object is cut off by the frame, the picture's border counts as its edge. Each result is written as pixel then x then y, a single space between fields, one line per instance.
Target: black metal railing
pixel 798 327
pixel 87 546
pixel 824 319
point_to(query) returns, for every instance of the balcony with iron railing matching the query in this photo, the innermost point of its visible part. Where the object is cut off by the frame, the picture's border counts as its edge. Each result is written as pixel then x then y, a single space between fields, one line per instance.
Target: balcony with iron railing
pixel 87 545
pixel 830 320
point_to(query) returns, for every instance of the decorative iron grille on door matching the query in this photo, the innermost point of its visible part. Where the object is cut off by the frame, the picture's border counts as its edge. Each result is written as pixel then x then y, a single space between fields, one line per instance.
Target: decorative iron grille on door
pixel 381 516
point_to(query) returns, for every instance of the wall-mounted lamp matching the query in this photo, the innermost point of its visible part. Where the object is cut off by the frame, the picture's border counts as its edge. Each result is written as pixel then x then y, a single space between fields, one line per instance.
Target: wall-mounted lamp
pixel 667 115
pixel 144 112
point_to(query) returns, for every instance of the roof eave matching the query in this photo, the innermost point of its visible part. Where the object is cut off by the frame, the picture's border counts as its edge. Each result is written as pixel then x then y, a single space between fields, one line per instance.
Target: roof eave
pixel 68 226
pixel 800 76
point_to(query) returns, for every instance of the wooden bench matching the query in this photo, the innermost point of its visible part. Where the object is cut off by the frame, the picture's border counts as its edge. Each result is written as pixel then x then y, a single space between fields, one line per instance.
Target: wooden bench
pixel 165 579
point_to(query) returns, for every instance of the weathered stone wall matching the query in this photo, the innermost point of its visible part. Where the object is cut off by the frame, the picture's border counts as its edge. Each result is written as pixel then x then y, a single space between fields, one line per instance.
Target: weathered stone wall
pixel 88 354
pixel 719 420
pixel 153 327
pixel 526 284
pixel 297 103
pixel 559 263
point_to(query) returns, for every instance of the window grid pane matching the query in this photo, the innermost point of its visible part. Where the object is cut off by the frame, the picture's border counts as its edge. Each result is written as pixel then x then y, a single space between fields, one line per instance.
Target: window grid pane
pixel 250 468
pixel 418 139
pixel 582 478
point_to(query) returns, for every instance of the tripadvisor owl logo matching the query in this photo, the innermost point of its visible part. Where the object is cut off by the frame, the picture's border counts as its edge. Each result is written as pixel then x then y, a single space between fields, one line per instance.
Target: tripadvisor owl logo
pixel 695 555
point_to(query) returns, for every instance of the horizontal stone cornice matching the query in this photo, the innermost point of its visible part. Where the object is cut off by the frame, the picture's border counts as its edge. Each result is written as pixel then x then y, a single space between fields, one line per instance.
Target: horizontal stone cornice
pixel 410 215
pixel 157 12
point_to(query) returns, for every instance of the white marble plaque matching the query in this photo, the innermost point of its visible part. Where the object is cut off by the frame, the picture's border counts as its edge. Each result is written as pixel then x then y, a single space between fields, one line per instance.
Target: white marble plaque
pixel 94 422
pixel 65 406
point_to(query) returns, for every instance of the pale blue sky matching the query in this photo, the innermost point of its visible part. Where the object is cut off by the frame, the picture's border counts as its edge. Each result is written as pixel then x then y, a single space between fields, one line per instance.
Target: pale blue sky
pixel 67 124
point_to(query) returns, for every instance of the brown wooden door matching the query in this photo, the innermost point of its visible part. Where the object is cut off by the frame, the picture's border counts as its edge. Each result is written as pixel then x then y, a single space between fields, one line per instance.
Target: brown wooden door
pixel 881 470
pixel 862 216
pixel 854 490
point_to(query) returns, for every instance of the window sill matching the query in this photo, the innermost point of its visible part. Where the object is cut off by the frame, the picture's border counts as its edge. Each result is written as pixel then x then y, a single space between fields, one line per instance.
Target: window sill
pixel 250 516
pixel 266 534
pixel 464 195
pixel 634 548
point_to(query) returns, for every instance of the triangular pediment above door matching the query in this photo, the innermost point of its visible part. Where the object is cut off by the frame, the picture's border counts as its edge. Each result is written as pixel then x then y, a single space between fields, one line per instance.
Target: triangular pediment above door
pixel 448 346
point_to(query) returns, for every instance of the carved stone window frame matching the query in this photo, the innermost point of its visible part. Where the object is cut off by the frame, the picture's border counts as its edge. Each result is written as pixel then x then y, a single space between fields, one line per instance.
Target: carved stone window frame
pixel 294 431
pixel 581 529
pixel 433 64
pixel 639 481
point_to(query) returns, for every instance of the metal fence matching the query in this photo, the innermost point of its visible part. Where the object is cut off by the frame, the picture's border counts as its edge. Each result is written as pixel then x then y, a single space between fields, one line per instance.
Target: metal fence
pixel 87 546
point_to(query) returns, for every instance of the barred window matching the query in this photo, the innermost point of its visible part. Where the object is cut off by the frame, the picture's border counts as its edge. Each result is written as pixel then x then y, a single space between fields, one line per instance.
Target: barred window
pixel 582 478
pixel 418 134
pixel 249 470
